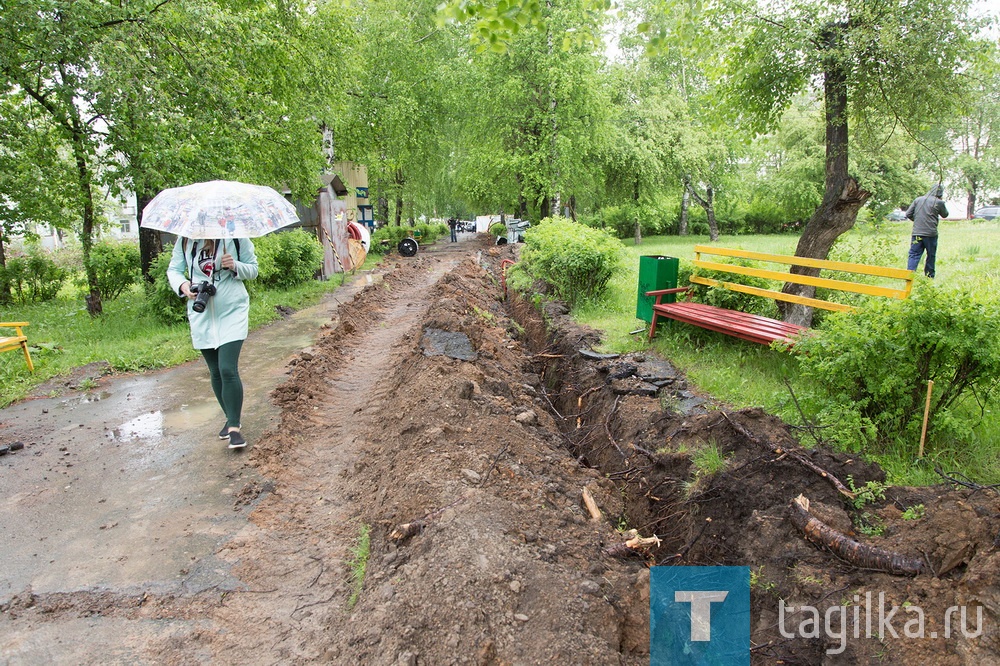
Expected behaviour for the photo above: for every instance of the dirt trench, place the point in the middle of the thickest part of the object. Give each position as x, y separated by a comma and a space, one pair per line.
461, 427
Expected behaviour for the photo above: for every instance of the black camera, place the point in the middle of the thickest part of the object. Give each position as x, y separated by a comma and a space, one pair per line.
205, 290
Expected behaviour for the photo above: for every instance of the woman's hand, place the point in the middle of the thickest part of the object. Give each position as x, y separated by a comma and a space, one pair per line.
228, 262
186, 290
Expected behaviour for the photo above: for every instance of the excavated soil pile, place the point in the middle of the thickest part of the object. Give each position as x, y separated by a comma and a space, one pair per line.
425, 501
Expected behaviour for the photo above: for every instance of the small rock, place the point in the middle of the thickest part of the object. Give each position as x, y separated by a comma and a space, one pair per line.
586, 353
527, 418
306, 356
521, 617
590, 587
406, 659
515, 586
471, 475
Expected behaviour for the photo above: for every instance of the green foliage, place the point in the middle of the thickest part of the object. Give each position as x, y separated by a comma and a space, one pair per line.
576, 261
358, 564
33, 278
162, 302
873, 365
116, 265
726, 298
915, 512
871, 492
287, 258
498, 229
708, 460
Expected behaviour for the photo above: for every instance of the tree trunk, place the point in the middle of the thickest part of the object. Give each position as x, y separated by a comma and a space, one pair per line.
685, 203
843, 197
708, 203
400, 181
572, 207
383, 209
4, 282
95, 306
972, 194
638, 225
150, 244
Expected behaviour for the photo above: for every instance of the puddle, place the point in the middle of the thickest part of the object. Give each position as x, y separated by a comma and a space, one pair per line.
144, 426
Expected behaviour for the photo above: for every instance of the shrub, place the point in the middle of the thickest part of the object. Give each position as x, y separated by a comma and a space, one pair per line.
287, 258
498, 229
727, 298
872, 365
161, 300
117, 266
575, 260
33, 278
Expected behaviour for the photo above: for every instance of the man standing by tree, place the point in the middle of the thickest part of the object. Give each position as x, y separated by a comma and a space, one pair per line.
453, 225
925, 212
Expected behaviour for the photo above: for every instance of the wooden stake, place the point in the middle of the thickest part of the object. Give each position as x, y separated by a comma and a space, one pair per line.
927, 411
588, 500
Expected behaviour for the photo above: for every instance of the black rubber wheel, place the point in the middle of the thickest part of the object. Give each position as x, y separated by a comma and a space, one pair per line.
407, 247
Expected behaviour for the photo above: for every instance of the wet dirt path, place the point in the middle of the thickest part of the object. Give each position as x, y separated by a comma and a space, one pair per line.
113, 516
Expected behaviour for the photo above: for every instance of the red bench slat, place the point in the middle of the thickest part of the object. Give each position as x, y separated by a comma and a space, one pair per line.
750, 327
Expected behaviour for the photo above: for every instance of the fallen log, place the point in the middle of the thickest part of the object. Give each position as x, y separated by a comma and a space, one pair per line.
849, 550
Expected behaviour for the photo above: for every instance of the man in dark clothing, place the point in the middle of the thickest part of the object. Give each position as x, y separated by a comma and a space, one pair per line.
925, 212
453, 225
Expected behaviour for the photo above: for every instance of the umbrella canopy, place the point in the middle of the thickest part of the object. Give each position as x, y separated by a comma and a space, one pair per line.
219, 209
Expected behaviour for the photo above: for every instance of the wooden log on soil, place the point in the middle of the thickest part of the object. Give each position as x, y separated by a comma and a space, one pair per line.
854, 552
588, 500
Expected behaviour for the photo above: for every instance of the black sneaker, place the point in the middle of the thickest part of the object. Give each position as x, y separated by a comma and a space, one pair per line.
236, 440
224, 433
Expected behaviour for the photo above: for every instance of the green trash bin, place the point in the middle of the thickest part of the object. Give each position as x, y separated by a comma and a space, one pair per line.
655, 272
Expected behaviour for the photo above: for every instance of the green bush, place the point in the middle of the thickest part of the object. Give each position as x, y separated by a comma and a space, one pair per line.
872, 366
287, 258
498, 229
117, 266
576, 261
161, 300
727, 298
33, 278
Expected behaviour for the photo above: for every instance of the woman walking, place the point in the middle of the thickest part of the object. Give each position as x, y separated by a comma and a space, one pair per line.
210, 274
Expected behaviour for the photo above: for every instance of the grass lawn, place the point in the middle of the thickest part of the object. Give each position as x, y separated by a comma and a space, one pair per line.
744, 374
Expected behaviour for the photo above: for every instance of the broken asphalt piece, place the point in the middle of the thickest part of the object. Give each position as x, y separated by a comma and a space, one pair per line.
436, 342
633, 386
594, 356
622, 370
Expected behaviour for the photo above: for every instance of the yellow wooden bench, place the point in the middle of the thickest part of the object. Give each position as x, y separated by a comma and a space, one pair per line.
18, 341
763, 330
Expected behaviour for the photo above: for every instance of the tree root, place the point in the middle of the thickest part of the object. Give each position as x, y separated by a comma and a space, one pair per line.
856, 553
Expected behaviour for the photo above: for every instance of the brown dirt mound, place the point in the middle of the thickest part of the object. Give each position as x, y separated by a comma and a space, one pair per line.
458, 429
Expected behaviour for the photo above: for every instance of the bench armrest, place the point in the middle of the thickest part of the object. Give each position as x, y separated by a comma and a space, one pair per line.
661, 292
12, 324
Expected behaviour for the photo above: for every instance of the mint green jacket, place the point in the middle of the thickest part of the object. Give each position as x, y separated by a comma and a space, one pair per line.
227, 316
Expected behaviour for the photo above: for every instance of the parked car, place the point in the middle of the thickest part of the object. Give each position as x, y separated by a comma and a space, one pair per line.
986, 213
897, 215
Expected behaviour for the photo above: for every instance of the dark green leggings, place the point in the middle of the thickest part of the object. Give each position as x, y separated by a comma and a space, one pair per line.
224, 367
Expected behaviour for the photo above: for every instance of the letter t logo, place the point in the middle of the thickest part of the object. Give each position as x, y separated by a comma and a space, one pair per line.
701, 611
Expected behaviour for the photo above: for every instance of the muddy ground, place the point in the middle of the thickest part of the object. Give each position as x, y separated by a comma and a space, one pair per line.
458, 429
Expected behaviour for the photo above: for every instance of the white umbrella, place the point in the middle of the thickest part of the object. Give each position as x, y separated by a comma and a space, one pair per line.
219, 209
